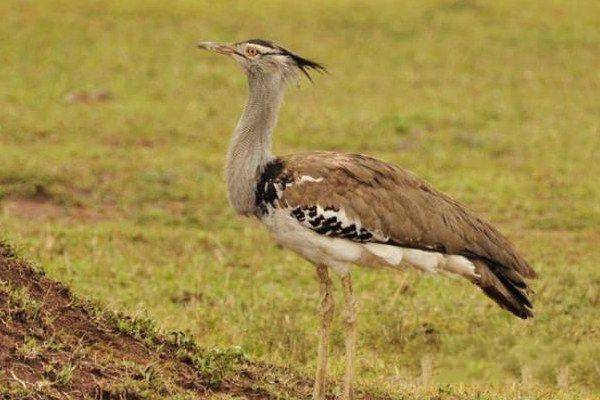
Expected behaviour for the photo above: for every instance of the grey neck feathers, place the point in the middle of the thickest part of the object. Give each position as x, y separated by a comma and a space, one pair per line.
250, 148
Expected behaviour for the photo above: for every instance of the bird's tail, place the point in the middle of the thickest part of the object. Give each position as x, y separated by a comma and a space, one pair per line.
506, 287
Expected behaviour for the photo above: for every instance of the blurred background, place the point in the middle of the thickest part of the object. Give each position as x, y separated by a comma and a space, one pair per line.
113, 130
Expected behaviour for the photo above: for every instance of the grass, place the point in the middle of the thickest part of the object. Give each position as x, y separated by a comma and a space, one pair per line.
493, 102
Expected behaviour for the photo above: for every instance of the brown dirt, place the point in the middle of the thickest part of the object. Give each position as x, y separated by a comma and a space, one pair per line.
27, 208
56, 346
46, 209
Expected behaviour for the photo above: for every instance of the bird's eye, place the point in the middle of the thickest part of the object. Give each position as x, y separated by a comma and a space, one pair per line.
251, 51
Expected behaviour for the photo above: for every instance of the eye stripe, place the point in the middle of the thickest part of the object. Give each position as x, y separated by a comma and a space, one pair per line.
238, 53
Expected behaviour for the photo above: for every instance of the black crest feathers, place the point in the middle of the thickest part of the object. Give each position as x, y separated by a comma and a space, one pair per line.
303, 64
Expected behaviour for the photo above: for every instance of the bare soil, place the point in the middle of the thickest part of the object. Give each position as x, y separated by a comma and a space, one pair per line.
56, 346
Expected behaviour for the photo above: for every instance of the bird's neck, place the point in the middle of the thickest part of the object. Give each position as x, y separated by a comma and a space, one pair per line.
250, 148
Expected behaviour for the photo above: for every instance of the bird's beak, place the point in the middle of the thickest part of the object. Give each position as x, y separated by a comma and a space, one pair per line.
221, 48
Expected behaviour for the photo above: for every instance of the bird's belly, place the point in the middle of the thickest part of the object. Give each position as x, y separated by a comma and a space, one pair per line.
320, 249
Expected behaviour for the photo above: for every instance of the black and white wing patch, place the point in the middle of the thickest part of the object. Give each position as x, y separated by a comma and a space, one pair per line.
332, 221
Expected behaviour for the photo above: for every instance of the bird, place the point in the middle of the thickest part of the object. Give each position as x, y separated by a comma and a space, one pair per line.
339, 210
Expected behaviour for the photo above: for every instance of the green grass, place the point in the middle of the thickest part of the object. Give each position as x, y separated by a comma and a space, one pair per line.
495, 103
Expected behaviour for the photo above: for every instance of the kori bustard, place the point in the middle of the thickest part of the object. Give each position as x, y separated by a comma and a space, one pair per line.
338, 210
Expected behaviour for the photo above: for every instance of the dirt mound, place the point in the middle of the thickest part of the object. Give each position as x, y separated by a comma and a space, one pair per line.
56, 346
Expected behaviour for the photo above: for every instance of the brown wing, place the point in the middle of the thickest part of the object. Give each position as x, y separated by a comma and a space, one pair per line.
409, 213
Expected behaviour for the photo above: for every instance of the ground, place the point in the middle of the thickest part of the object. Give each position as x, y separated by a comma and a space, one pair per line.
55, 345
113, 129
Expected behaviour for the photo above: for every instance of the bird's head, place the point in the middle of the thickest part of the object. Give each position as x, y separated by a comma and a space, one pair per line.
263, 59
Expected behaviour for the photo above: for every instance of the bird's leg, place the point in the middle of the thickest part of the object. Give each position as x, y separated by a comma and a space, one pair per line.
350, 321
326, 314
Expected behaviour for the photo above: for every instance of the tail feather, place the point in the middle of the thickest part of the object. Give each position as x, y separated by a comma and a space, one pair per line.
506, 287
516, 289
